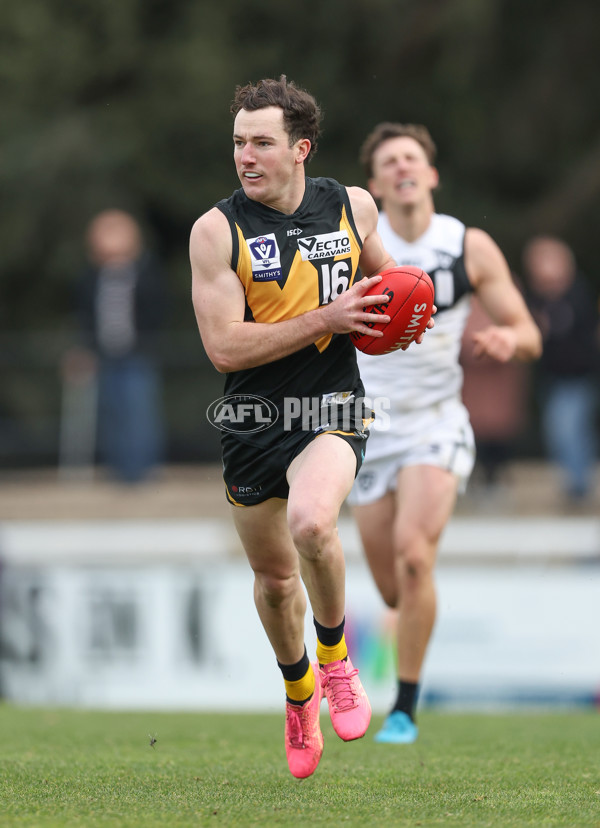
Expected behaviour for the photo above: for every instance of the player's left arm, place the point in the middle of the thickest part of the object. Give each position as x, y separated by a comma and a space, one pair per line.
514, 334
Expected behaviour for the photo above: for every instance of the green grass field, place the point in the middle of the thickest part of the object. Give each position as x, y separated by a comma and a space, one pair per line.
66, 768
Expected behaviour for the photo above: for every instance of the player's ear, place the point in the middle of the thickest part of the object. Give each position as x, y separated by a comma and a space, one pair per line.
302, 148
373, 188
434, 178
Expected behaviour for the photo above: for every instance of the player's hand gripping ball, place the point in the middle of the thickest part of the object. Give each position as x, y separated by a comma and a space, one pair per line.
410, 307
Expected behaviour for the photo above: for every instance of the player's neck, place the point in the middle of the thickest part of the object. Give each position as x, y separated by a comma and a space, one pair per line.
289, 200
409, 221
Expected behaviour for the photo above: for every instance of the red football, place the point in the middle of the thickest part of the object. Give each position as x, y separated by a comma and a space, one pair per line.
410, 305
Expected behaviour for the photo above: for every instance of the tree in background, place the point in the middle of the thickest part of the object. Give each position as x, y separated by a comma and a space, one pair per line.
120, 104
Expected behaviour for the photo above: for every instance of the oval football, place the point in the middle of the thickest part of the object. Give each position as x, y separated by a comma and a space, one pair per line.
409, 307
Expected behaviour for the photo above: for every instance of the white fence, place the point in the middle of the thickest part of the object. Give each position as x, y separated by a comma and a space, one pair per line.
160, 616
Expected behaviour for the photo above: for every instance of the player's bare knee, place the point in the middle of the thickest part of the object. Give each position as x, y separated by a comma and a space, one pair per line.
389, 595
310, 534
275, 590
415, 567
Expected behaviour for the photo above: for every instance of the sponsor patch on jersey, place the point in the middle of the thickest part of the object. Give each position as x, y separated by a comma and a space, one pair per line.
324, 246
444, 288
266, 258
337, 397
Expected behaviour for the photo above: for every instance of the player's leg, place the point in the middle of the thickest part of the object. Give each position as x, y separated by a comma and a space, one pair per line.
281, 605
425, 498
400, 533
320, 478
375, 522
278, 593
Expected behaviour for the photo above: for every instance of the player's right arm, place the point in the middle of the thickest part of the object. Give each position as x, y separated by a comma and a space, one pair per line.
219, 304
513, 334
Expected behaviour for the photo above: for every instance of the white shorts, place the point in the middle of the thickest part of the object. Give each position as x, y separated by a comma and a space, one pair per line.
438, 436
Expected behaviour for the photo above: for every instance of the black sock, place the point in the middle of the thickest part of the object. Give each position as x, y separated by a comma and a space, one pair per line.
294, 672
329, 636
406, 700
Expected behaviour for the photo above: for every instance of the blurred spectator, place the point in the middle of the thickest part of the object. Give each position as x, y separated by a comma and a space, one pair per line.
566, 310
496, 397
121, 299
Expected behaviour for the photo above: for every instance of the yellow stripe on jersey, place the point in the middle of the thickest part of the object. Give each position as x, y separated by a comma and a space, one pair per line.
356, 245
301, 291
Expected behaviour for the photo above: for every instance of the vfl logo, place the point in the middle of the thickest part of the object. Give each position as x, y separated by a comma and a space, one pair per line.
266, 258
242, 414
263, 248
324, 246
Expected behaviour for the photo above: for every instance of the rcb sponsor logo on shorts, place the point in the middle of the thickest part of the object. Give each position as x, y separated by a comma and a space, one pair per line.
246, 491
244, 414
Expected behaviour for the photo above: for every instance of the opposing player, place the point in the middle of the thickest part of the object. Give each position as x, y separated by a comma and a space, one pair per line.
406, 490
276, 291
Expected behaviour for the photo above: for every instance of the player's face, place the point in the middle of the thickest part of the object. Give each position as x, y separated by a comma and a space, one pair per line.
267, 166
402, 174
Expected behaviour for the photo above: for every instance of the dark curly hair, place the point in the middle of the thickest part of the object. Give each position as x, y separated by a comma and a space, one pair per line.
301, 113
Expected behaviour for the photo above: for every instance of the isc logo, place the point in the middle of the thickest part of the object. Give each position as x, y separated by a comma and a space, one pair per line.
242, 414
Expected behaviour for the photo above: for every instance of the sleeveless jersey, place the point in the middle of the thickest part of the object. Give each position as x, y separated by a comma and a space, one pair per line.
290, 264
428, 373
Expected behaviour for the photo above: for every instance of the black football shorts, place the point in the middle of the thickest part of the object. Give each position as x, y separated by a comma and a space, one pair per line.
255, 465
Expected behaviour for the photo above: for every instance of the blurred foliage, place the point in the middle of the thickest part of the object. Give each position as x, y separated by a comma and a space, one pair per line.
126, 103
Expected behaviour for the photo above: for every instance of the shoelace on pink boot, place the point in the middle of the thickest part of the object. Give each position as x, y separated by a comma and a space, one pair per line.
294, 717
303, 737
349, 706
341, 690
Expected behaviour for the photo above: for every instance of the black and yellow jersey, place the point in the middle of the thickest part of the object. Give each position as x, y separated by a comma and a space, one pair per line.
288, 265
